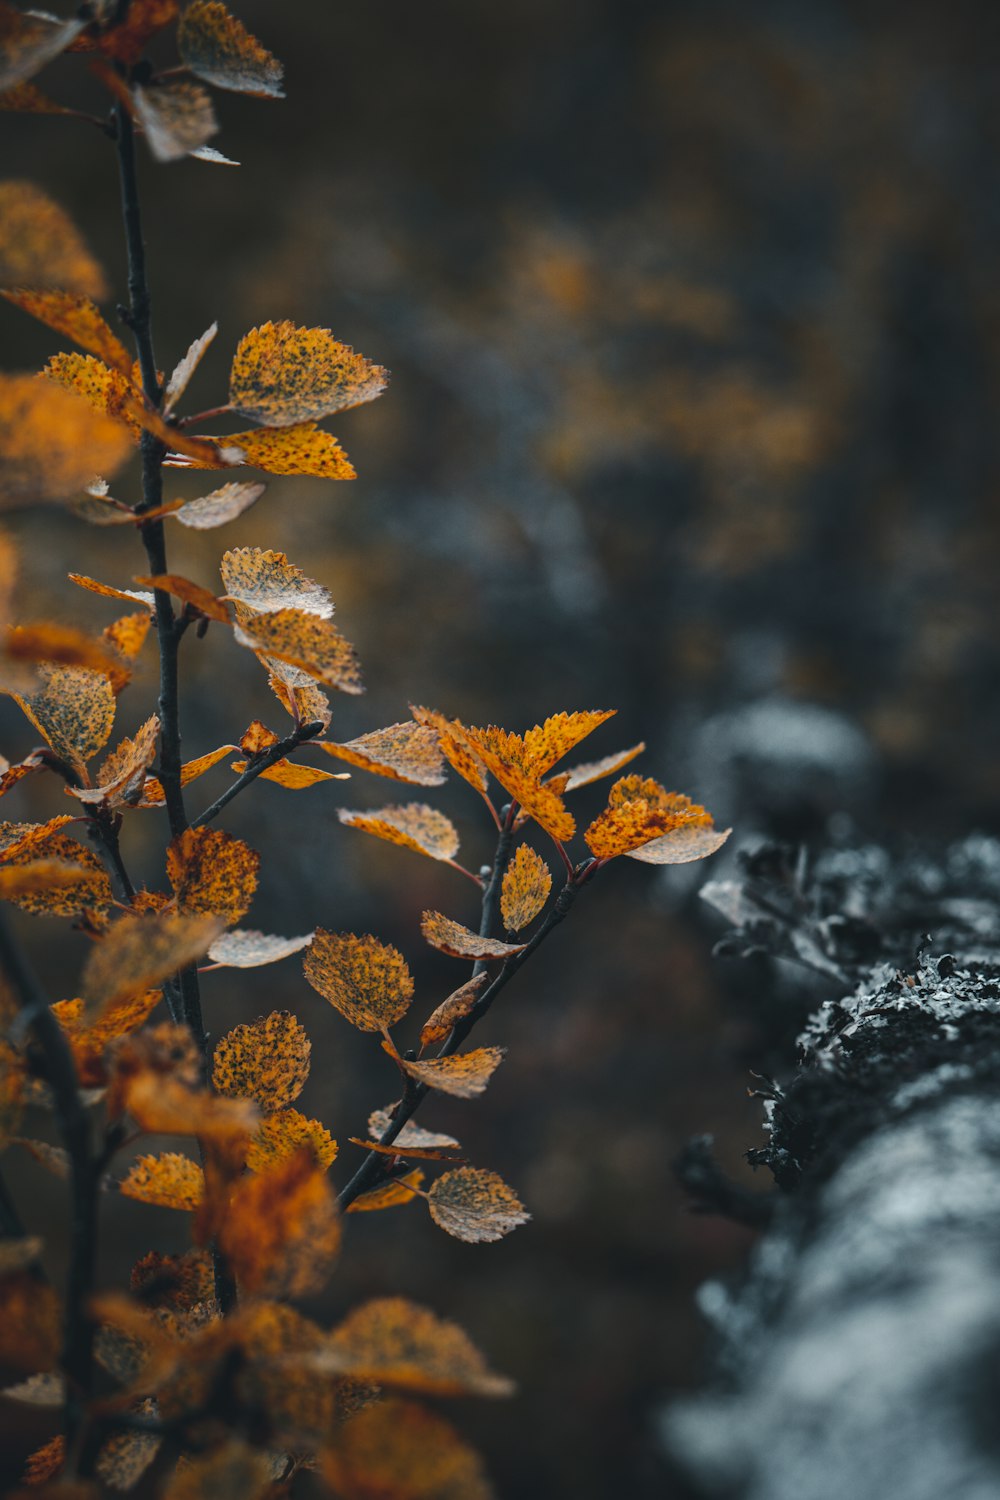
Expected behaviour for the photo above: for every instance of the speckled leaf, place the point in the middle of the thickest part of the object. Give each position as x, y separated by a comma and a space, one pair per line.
282, 1134
403, 752
261, 582
302, 449
26, 843
125, 1456
266, 1060
455, 746
121, 777
200, 599
73, 709
451, 1011
410, 1135
525, 889
306, 642
219, 49
89, 1043
391, 1194
170, 1180
138, 952
28, 42
290, 775
463, 1075
248, 949
475, 1205
505, 757
641, 811
213, 872
461, 942
394, 1342
75, 316
413, 825
594, 770
283, 375
367, 981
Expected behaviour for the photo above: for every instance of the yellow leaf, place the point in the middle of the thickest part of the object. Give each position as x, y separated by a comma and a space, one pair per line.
28, 42
89, 1043
75, 316
305, 703
40, 245
200, 599
138, 952
305, 642
506, 756
283, 374
265, 581
185, 368
212, 872
455, 746
447, 1015
39, 876
108, 590
294, 778
549, 742
403, 752
413, 825
152, 792
169, 1181
463, 1075
61, 645
280, 1231
475, 1205
398, 1343
26, 843
266, 1060
216, 47
234, 1471
284, 1133
177, 118
73, 709
525, 889
257, 738
302, 449
127, 635
105, 390
389, 1194
121, 778
646, 821
51, 442
399, 1450
460, 942
247, 949
367, 981
584, 774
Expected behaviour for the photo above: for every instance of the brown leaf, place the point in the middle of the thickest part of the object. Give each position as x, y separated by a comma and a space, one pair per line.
460, 942
475, 1205
176, 117
61, 645
247, 949
667, 827
463, 1075
171, 1180
304, 703
45, 1464
125, 1456
389, 1194
281, 1231
414, 1153
75, 316
367, 981
266, 1060
525, 889
403, 752
138, 952
28, 42
30, 1323
410, 1135
293, 777
40, 245
52, 443
413, 825
200, 599
216, 47
401, 1450
26, 99
13, 1073
398, 1343
448, 1014
455, 746
213, 872
305, 642
126, 41
584, 774
283, 375
303, 449
183, 371
39, 876
285, 1132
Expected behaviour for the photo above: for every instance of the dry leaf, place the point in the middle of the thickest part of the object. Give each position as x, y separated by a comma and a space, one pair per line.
303, 449
305, 703
389, 1194
414, 825
30, 1323
400, 1450
455, 746
38, 876
45, 1463
176, 117
367, 981
40, 245
112, 394
475, 1205
247, 949
108, 590
28, 41
266, 1060
293, 777
222, 505
415, 1153
464, 1075
235, 1471
506, 757
667, 827
448, 1014
265, 581
125, 1456
283, 375
121, 778
594, 770
89, 1043
185, 368
398, 1343
212, 872
281, 1230
13, 1073
305, 642
169, 1181
73, 709
52, 443
525, 889
461, 942
403, 752
410, 1135
152, 792
61, 645
75, 316
284, 1133
200, 599
138, 952
216, 47
27, 843
26, 99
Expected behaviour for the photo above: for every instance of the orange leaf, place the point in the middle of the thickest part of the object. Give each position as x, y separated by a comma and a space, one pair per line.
403, 752
25, 843
212, 872
305, 703
305, 642
122, 776
455, 746
415, 1153
89, 1043
463, 1075
525, 889
283, 375
507, 757
234, 1471
401, 1450
283, 1133
108, 590
262, 582
475, 1205
127, 635
29, 1323
176, 117
126, 41
106, 391
257, 738
367, 981
294, 778
45, 1463
398, 1343
413, 825
73, 709
75, 316
62, 645
26, 99
266, 1060
246, 949
281, 1231
646, 821
584, 774
200, 599
24, 838
11, 775
40, 876
152, 792
303, 449
460, 942
410, 1135
138, 952
388, 1194
169, 1181
217, 48
40, 245
549, 742
51, 442
185, 368
13, 1073
28, 42
451, 1011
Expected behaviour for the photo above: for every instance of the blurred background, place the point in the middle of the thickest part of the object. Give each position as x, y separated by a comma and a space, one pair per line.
693, 321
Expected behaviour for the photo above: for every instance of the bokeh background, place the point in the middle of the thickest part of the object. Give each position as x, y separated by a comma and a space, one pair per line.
693, 321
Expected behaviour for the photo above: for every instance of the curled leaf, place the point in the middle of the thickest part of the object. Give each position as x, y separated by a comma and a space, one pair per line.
152, 792
475, 1205
185, 368
121, 778
507, 758
451, 1011
200, 599
367, 981
176, 117
460, 942
280, 1231
391, 1194
28, 41
455, 746
413, 825
411, 1134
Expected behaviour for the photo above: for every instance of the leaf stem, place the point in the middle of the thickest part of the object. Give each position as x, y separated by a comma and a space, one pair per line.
257, 766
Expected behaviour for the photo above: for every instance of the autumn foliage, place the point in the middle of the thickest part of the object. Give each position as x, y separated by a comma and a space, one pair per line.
203, 1365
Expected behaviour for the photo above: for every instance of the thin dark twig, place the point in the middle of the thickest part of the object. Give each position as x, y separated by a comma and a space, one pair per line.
258, 766
494, 887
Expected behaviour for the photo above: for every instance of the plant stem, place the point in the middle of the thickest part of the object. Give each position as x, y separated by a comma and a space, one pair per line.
494, 888
257, 766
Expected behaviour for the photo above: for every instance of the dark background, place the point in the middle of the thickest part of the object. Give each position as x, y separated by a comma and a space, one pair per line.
693, 323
